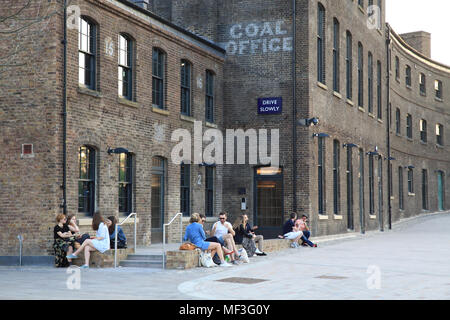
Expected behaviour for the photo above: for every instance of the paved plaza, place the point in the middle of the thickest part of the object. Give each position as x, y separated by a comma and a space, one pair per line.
411, 261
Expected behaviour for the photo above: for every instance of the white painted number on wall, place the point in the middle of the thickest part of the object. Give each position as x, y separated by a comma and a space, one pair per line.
73, 16
109, 47
374, 280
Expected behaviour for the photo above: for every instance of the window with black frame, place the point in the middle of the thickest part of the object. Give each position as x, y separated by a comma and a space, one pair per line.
125, 183
209, 191
185, 189
209, 96
424, 189
360, 75
379, 93
186, 87
336, 55
397, 121
423, 130
410, 181
86, 180
321, 43
336, 177
125, 72
370, 82
408, 76
439, 134
321, 175
371, 185
87, 53
400, 189
438, 89
158, 78
409, 126
423, 84
349, 66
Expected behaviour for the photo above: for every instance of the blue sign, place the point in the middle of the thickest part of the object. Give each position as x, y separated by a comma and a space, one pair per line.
270, 105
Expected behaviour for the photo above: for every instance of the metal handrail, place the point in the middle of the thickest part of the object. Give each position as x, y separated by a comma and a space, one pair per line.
164, 234
115, 230
20, 248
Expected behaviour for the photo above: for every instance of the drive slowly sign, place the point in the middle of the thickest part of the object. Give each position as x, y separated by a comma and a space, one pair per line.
270, 105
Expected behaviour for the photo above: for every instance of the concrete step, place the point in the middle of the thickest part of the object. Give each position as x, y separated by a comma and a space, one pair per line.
146, 257
141, 264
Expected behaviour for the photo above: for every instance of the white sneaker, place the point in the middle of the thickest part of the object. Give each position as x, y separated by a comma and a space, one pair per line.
225, 264
257, 251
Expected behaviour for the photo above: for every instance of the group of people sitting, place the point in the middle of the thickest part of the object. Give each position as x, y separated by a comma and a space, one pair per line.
68, 238
224, 236
297, 229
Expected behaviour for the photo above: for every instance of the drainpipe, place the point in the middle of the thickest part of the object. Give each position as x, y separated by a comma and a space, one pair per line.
64, 111
294, 108
388, 126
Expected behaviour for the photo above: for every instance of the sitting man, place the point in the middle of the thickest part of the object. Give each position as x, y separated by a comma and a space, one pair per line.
302, 226
291, 231
223, 231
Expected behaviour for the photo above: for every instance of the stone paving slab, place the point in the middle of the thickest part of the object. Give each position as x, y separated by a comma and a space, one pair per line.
413, 262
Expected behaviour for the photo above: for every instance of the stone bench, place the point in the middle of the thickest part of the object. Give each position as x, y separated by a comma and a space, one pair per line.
103, 260
188, 259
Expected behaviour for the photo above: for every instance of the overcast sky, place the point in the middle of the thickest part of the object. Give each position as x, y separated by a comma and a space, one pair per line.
418, 15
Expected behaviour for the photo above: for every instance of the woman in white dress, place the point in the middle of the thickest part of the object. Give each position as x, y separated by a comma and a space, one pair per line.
98, 243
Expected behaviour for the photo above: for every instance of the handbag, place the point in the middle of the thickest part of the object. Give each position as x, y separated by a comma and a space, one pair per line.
206, 260
243, 255
187, 246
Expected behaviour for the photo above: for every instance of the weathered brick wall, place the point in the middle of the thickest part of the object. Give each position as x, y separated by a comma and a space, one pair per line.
30, 107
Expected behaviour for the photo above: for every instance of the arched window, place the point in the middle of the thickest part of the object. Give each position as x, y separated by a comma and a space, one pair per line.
87, 53
125, 183
125, 67
370, 82
86, 180
321, 43
349, 66
186, 71
209, 96
360, 75
336, 55
158, 78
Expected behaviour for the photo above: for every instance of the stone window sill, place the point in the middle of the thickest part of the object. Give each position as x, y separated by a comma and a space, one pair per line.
338, 217
323, 217
337, 94
89, 92
371, 115
439, 146
127, 102
438, 99
372, 216
411, 194
322, 86
361, 109
211, 125
350, 102
160, 111
187, 118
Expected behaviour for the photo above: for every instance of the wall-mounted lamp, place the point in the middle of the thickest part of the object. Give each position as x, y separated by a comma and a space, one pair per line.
205, 164
409, 167
321, 135
117, 150
350, 145
390, 159
373, 153
308, 122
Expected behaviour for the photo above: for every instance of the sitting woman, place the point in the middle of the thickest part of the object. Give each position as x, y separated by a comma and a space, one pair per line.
243, 235
121, 239
98, 243
64, 242
73, 227
196, 235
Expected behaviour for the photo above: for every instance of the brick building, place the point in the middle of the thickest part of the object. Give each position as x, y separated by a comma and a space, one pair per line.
378, 154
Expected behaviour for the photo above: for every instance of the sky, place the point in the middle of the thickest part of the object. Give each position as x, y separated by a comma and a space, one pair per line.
418, 15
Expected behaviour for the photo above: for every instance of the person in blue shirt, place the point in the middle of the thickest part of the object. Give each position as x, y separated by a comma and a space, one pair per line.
121, 238
196, 235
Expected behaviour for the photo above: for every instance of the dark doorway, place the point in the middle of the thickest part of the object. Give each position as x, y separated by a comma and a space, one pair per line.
157, 198
350, 224
268, 212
